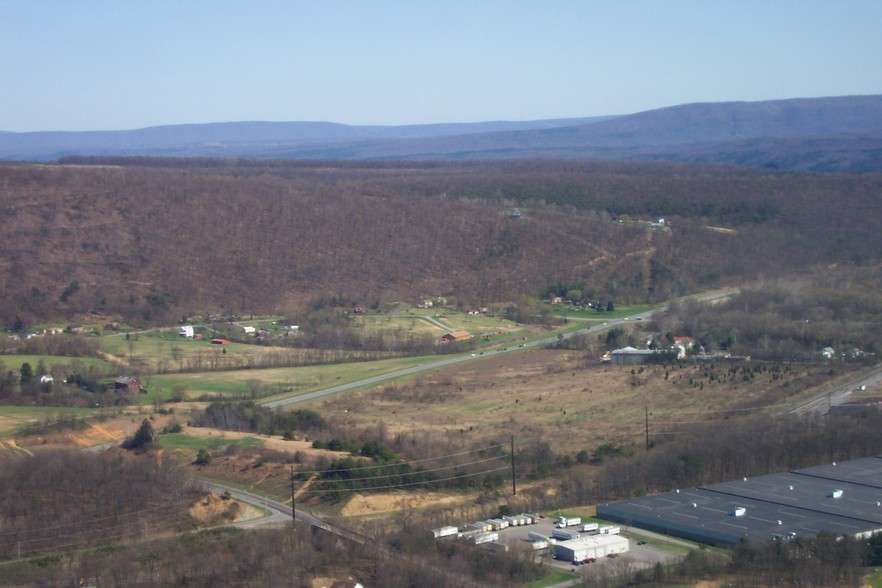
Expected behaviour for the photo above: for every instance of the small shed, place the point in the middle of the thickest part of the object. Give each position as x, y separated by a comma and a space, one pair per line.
219, 341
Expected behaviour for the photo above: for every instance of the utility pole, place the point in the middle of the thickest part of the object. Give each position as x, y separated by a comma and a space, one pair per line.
646, 409
514, 485
293, 506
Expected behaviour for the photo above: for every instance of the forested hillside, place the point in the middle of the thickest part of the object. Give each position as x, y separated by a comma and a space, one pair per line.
155, 239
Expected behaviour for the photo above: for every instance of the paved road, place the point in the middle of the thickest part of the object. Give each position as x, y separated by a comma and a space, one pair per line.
821, 402
435, 364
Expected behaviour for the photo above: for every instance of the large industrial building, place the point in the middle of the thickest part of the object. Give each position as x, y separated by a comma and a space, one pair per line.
843, 498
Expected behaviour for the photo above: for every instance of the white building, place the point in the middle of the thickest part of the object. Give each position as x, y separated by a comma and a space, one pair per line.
590, 546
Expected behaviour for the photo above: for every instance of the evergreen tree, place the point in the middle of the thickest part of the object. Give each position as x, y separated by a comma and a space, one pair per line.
143, 439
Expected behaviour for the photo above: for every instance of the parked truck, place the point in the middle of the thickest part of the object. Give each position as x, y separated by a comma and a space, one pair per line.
564, 522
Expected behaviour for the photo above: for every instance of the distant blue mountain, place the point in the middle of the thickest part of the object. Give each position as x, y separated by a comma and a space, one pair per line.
818, 134
238, 139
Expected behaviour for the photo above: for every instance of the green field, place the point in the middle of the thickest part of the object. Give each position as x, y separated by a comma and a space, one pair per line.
287, 381
71, 364
174, 441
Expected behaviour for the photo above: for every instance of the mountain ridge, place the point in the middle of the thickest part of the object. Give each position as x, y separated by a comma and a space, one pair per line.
807, 134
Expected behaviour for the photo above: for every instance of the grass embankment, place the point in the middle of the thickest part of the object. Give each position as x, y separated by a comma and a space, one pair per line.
15, 418
175, 441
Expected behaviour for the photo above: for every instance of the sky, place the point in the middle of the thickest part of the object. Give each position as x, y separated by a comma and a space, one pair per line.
125, 64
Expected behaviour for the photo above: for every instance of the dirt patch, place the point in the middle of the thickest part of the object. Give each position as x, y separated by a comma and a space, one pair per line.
214, 509
98, 433
376, 504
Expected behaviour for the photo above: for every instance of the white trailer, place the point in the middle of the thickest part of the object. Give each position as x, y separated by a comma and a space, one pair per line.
486, 538
537, 545
590, 527
444, 532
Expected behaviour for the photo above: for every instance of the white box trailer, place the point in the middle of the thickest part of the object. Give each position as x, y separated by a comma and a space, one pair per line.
444, 532
537, 545
590, 527
486, 537
610, 530
531, 519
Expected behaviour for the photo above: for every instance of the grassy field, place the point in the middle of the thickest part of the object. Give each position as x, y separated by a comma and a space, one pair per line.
13, 418
296, 380
174, 441
874, 577
71, 364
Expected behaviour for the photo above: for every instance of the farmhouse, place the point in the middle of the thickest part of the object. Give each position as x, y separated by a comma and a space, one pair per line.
456, 336
186, 331
127, 384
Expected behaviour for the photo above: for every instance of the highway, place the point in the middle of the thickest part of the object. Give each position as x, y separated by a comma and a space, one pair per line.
433, 363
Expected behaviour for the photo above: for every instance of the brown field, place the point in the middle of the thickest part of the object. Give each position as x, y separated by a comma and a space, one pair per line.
544, 394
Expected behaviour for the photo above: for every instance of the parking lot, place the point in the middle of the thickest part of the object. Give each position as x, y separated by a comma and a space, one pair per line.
642, 553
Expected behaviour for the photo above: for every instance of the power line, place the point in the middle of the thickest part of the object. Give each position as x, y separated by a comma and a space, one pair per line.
407, 484
407, 473
371, 467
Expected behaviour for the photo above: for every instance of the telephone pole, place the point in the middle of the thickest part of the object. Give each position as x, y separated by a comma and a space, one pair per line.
646, 409
293, 506
514, 485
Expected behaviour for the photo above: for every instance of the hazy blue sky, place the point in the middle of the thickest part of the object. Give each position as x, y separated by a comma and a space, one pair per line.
122, 64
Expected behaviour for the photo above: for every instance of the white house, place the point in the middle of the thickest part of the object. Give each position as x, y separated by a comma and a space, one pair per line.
186, 331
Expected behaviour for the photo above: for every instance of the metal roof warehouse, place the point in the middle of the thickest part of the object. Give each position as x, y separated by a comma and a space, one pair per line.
844, 498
